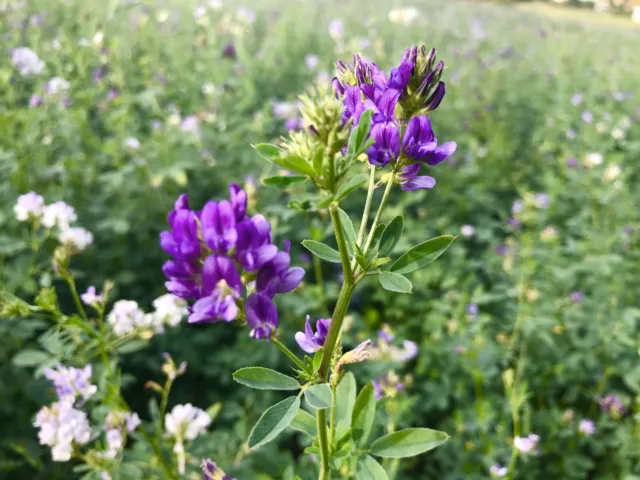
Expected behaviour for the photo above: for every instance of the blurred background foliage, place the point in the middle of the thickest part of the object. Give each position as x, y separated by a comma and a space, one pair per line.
530, 99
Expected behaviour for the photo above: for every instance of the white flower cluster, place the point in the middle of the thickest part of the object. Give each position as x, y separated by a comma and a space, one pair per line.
186, 422
127, 317
31, 207
61, 426
27, 62
71, 383
115, 423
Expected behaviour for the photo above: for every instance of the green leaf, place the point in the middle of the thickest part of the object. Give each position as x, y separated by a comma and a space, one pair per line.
358, 139
30, 358
391, 236
632, 379
368, 469
345, 399
133, 345
407, 443
377, 235
268, 151
364, 413
394, 282
290, 162
283, 181
347, 226
317, 359
347, 187
265, 379
305, 422
273, 421
321, 250
319, 396
422, 254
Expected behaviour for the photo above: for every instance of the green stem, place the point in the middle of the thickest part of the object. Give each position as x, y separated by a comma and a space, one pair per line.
76, 298
292, 356
321, 424
334, 329
165, 399
332, 414
342, 244
383, 204
367, 208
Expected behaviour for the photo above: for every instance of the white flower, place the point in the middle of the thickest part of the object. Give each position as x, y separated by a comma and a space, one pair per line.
611, 173
132, 143
29, 205
199, 14
97, 38
186, 422
27, 61
404, 16
617, 133
208, 88
56, 86
190, 125
125, 317
498, 471
90, 297
105, 476
132, 421
76, 237
60, 426
71, 382
114, 439
593, 159
587, 427
336, 29
170, 310
59, 215
467, 231
527, 444
311, 61
246, 14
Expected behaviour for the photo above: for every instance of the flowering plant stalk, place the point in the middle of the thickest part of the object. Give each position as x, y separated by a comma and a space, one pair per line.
371, 129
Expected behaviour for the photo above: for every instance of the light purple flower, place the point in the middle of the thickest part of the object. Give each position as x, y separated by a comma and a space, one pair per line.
262, 315
312, 62
576, 297
210, 471
498, 471
309, 341
90, 297
528, 444
587, 427
336, 29
71, 383
587, 117
576, 99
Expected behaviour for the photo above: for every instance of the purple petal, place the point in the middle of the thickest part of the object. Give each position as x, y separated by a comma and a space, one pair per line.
441, 153
418, 183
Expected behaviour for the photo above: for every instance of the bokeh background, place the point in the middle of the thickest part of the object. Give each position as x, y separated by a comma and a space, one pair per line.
164, 97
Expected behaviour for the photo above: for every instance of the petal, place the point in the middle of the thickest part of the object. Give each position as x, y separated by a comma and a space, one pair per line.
238, 201
210, 274
260, 309
229, 273
418, 183
305, 344
387, 103
308, 331
291, 280
441, 153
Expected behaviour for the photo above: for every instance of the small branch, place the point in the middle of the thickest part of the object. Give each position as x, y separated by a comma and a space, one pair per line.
292, 356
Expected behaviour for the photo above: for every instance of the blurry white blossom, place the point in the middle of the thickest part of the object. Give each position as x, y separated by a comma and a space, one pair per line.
404, 15
186, 422
336, 29
618, 133
56, 86
77, 238
71, 383
246, 14
587, 427
58, 214
126, 317
61, 426
593, 159
498, 471
90, 297
29, 206
27, 61
170, 310
611, 173
190, 125
311, 61
132, 143
467, 231
527, 444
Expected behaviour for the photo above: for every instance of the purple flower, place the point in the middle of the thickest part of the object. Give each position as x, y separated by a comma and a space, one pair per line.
572, 162
229, 51
386, 148
472, 310
387, 385
35, 101
409, 179
513, 222
262, 315
528, 444
612, 405
587, 427
210, 471
420, 144
212, 249
576, 297
587, 117
576, 99
71, 382
309, 341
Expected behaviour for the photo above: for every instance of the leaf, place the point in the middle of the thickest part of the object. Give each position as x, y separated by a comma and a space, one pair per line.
265, 379
391, 236
377, 235
29, 358
394, 282
319, 396
321, 250
273, 421
345, 399
305, 422
283, 181
347, 226
317, 359
632, 379
346, 188
132, 346
359, 135
290, 162
422, 254
364, 413
368, 469
407, 443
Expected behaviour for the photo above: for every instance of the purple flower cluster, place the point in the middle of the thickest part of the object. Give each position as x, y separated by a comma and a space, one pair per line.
309, 341
400, 103
210, 471
219, 253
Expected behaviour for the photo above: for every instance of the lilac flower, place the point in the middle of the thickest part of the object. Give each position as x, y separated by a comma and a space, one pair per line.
472, 310
541, 200
91, 298
186, 422
587, 117
262, 315
572, 162
527, 444
35, 101
498, 471
420, 144
312, 62
336, 29
513, 222
387, 385
132, 421
503, 250
61, 426
309, 341
210, 471
576, 297
221, 280
576, 99
385, 334
612, 405
27, 62
29, 206
71, 383
409, 179
467, 231
587, 427
56, 86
